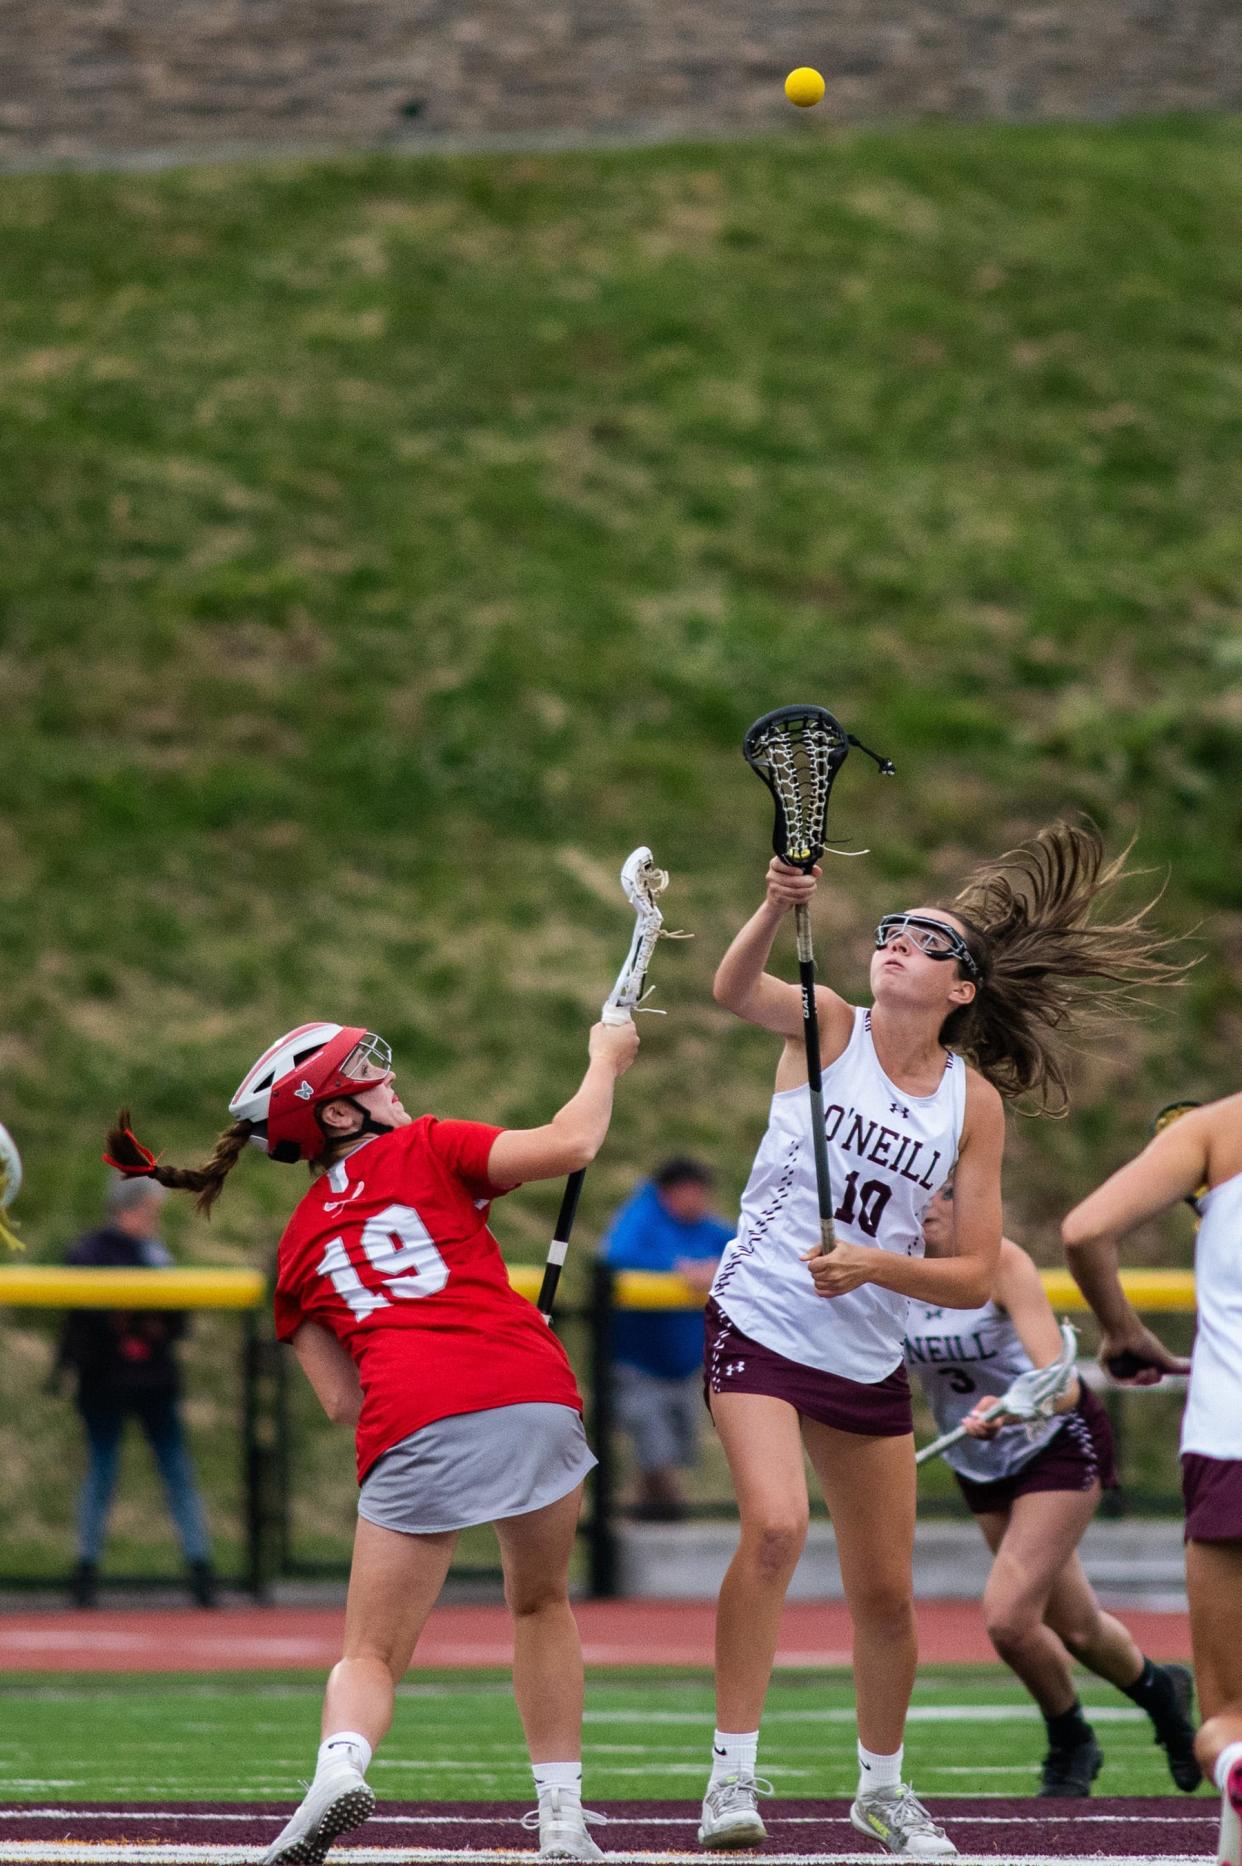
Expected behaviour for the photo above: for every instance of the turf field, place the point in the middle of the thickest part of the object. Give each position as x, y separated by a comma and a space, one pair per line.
202, 1771
225, 1738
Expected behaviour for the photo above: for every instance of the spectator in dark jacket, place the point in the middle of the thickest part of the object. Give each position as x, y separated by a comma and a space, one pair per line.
125, 1364
666, 1224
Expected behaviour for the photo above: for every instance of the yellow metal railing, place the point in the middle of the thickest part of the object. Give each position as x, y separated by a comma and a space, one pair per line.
51, 1286
57, 1286
1157, 1292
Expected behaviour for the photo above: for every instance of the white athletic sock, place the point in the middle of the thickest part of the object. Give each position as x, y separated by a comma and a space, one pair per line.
344, 1746
878, 1772
734, 1753
567, 1776
1224, 1762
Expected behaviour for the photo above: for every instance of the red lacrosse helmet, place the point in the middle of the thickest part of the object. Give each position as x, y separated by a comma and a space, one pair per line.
310, 1065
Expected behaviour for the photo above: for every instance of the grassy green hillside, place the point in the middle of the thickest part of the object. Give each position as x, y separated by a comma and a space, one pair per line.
390, 545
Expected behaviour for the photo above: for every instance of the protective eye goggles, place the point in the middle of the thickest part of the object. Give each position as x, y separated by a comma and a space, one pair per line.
369, 1061
932, 937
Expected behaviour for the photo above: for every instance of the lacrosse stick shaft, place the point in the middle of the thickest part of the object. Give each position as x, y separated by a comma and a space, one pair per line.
814, 1075
563, 1229
560, 1242
950, 1438
940, 1444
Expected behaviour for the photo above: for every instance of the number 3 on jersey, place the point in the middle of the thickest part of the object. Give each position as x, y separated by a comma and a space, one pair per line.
400, 1247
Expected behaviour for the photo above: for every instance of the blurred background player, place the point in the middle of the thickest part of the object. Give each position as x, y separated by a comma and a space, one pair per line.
125, 1365
805, 1350
1033, 1490
393, 1293
666, 1224
1198, 1159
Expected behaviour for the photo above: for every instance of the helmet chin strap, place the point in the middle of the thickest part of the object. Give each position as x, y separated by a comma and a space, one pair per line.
369, 1124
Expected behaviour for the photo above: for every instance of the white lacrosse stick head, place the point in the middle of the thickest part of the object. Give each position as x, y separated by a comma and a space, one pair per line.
1034, 1395
10, 1168
642, 882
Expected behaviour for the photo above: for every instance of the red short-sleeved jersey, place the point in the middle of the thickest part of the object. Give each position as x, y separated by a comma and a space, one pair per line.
390, 1250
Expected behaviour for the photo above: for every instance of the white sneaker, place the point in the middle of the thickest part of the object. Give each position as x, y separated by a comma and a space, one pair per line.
899, 1821
562, 1822
333, 1803
731, 1811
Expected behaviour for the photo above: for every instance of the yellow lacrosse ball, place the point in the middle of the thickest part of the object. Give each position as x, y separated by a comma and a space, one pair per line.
804, 87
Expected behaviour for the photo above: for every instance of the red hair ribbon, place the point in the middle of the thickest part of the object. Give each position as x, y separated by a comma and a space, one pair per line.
130, 1168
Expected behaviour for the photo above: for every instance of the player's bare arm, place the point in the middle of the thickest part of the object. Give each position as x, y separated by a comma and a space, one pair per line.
1169, 1168
575, 1134
331, 1372
744, 987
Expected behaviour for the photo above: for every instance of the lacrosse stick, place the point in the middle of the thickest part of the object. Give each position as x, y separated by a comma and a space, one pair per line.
642, 882
797, 751
1032, 1397
10, 1185
1125, 1365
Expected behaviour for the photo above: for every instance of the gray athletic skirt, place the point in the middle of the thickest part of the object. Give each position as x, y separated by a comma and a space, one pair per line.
477, 1467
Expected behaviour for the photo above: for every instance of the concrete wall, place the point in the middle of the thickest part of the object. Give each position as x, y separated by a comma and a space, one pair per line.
85, 78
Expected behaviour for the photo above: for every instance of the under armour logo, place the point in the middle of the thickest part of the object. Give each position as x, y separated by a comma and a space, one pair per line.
304, 1091
895, 1107
334, 1205
734, 1367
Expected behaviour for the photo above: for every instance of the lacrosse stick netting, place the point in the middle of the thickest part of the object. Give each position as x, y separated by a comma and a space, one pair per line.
10, 1186
643, 883
1030, 1401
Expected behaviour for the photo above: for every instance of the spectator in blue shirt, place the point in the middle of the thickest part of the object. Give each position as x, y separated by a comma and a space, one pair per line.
666, 1224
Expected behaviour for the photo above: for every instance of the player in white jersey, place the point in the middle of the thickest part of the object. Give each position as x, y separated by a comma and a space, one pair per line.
1033, 1491
805, 1348
1198, 1158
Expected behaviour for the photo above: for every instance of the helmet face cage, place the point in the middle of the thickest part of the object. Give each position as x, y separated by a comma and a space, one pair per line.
369, 1062
798, 751
933, 937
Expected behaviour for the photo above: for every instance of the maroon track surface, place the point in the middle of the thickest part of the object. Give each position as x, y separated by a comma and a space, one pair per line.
1148, 1828
614, 1632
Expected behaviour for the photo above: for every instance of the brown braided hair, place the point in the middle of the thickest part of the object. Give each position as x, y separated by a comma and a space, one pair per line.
1044, 961
128, 1155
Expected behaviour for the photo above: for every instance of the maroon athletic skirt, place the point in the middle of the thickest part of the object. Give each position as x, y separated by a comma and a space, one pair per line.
1212, 1488
1080, 1455
735, 1364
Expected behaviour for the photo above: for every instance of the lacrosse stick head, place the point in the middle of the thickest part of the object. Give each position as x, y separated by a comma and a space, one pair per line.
642, 883
10, 1186
1034, 1395
10, 1169
797, 751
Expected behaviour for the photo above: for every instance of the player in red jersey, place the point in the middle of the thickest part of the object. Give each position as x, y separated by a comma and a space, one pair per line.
393, 1293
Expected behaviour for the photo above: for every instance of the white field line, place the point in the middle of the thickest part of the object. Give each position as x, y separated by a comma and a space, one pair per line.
1204, 1813
53, 1853
918, 1713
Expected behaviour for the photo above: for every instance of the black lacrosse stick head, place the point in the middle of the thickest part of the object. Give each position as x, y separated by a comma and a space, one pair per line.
797, 751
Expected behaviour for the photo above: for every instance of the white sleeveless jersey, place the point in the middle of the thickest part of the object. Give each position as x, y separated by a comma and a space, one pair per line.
888, 1154
1212, 1424
960, 1356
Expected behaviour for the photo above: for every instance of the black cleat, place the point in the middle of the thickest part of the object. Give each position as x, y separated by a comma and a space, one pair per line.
1175, 1732
1070, 1769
